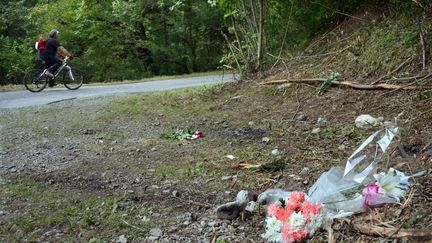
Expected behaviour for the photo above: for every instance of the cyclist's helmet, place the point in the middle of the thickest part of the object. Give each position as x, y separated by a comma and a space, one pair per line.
53, 33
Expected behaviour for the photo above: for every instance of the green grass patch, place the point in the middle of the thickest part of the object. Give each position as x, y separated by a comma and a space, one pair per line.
42, 207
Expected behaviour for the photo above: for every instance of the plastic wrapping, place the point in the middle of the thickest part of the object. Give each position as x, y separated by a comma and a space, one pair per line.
340, 189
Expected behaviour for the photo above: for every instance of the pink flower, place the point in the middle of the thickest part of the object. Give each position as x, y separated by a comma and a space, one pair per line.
291, 205
283, 214
299, 234
309, 209
287, 233
280, 213
370, 192
272, 209
297, 196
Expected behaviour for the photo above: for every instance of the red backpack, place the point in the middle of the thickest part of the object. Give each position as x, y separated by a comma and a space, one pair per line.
40, 44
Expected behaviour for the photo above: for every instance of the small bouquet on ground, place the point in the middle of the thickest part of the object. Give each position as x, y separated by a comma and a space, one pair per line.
293, 219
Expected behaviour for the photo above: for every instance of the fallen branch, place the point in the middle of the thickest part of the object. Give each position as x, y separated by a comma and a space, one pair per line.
395, 70
373, 230
348, 84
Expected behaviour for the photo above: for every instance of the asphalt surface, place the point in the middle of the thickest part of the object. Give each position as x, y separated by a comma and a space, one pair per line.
16, 99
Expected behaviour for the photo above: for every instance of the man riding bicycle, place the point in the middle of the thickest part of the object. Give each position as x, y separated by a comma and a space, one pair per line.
52, 45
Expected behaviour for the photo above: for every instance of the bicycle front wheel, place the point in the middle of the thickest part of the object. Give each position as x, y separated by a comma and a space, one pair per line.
34, 81
72, 80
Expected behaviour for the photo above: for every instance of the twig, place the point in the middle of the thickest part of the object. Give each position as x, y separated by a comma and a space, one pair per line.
133, 226
390, 73
349, 84
426, 147
422, 42
204, 205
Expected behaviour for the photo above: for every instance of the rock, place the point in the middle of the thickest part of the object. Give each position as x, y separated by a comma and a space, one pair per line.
213, 224
230, 156
232, 210
302, 118
284, 86
226, 178
3, 152
153, 149
342, 147
366, 121
316, 130
156, 232
251, 123
122, 239
175, 193
272, 195
321, 121
266, 139
114, 142
304, 171
251, 206
275, 152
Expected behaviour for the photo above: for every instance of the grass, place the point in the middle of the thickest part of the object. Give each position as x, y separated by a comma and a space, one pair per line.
50, 207
187, 171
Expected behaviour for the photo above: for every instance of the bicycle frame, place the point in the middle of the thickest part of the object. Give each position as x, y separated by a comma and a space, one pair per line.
65, 59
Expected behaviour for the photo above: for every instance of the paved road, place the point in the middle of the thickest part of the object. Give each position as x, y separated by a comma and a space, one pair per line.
25, 98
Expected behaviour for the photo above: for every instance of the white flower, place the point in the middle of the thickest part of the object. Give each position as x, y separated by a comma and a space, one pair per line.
315, 224
273, 230
393, 183
297, 220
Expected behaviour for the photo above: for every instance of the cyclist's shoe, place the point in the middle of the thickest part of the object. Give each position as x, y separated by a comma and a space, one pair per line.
51, 83
49, 74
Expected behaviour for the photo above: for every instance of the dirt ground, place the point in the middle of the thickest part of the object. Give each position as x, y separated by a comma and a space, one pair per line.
99, 170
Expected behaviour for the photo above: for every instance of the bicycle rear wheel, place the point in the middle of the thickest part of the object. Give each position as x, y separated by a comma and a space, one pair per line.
76, 82
34, 81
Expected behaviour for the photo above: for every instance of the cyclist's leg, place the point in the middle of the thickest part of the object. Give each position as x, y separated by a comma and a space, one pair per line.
55, 64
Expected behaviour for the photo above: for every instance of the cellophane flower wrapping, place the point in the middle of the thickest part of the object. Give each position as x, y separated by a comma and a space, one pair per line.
292, 219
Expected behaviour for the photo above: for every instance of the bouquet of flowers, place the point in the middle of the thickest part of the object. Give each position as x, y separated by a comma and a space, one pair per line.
293, 219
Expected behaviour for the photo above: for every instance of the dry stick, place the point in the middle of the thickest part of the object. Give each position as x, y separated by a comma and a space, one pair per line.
406, 78
373, 230
390, 73
426, 147
232, 51
348, 84
422, 42
133, 226
204, 205
407, 85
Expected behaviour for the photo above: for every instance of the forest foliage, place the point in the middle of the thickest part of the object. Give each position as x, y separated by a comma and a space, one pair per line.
132, 39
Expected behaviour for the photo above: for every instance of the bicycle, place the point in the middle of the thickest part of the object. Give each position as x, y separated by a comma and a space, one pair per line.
36, 80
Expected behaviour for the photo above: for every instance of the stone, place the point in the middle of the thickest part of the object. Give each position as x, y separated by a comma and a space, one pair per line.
342, 147
230, 156
122, 239
321, 121
156, 232
226, 178
251, 123
304, 171
175, 193
266, 139
275, 152
302, 118
366, 121
316, 130
284, 86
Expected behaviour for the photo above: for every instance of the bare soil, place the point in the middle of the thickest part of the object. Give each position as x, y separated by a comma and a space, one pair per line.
94, 170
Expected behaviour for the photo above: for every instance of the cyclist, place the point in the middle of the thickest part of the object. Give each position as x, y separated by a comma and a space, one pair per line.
52, 46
